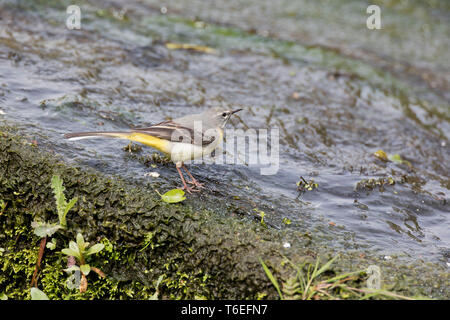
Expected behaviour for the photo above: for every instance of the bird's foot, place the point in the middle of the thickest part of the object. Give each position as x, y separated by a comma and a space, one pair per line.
189, 189
197, 184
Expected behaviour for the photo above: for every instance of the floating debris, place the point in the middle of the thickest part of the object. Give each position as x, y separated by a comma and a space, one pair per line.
295, 96
189, 46
398, 159
360, 205
380, 154
152, 159
304, 185
132, 147
370, 184
153, 174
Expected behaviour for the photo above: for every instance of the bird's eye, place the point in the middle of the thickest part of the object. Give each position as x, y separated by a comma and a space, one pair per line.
224, 114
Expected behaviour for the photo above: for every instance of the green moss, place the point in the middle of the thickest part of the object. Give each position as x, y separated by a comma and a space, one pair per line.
120, 216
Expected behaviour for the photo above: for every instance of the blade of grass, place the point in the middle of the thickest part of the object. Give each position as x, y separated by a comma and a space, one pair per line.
271, 278
311, 277
325, 267
371, 293
345, 275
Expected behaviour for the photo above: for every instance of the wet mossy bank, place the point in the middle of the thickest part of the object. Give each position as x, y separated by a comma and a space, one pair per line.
202, 253
199, 253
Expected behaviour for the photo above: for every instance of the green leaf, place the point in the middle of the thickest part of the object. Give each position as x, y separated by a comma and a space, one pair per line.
61, 205
74, 246
271, 278
85, 268
43, 229
71, 252
95, 248
58, 191
70, 205
395, 158
173, 196
72, 268
80, 242
37, 294
3, 296
325, 267
51, 245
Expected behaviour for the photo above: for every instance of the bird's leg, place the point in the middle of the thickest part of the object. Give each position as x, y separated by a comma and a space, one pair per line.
185, 186
194, 181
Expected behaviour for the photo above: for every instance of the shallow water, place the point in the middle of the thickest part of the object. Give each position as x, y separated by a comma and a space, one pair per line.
337, 92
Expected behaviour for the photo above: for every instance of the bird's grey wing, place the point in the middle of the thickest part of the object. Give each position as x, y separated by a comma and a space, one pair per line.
175, 132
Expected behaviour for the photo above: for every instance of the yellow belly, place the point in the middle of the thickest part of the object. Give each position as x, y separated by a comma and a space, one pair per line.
157, 143
177, 151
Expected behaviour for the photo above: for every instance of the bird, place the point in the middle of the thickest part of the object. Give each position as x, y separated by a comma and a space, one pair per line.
182, 139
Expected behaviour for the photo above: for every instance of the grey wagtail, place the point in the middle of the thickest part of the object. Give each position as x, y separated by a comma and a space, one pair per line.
181, 139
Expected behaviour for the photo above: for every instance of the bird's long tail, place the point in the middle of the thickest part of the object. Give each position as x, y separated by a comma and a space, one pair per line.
147, 139
104, 134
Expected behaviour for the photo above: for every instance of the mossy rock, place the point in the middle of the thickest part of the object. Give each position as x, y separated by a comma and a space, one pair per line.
200, 253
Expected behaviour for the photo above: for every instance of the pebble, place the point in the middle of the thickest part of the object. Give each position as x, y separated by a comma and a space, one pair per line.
153, 174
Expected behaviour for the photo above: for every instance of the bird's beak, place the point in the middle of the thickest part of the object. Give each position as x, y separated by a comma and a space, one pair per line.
237, 110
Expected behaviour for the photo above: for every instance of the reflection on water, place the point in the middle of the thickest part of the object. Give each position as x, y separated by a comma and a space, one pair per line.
337, 92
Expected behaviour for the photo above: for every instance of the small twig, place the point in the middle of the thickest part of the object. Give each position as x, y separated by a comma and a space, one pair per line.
327, 294
99, 272
382, 292
38, 263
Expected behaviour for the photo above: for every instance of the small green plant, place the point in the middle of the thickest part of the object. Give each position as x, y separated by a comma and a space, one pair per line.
62, 206
310, 282
80, 251
44, 229
47, 229
262, 214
